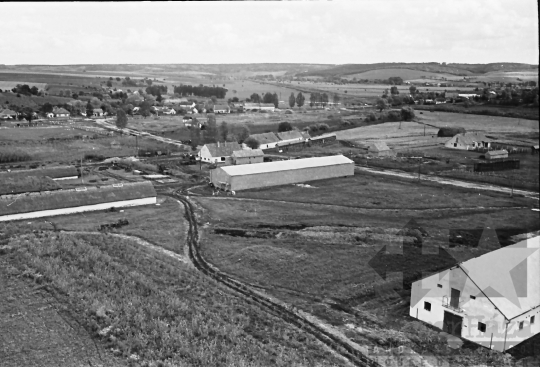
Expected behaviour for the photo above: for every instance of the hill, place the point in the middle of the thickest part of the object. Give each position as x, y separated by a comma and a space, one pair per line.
434, 67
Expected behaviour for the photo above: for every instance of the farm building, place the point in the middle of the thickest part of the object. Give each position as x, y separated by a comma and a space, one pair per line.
17, 185
379, 149
497, 154
7, 114
290, 136
60, 202
250, 176
98, 112
468, 141
56, 173
218, 152
247, 156
492, 300
222, 108
322, 139
259, 107
267, 140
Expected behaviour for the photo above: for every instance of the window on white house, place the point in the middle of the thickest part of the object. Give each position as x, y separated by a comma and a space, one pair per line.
521, 325
482, 327
532, 319
439, 285
473, 297
222, 159
427, 306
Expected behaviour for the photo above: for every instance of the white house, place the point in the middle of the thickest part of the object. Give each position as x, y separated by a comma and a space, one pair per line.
222, 108
218, 152
266, 140
98, 112
468, 141
169, 111
492, 300
60, 112
290, 136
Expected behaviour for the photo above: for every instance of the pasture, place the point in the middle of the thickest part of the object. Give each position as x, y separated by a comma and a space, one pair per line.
405, 74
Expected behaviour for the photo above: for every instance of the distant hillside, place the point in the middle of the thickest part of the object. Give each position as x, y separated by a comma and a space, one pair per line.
175, 68
433, 67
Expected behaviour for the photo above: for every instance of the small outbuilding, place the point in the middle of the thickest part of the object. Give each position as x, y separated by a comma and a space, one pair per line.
247, 156
496, 154
380, 149
250, 176
290, 136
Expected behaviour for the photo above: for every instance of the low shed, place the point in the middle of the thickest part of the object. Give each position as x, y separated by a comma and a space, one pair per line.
247, 156
56, 173
497, 154
379, 149
60, 202
257, 175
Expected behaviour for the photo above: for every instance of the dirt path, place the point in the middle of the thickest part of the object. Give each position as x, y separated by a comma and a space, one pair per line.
448, 181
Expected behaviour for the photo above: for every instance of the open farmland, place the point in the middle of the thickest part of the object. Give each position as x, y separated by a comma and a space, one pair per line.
162, 309
311, 245
405, 129
405, 74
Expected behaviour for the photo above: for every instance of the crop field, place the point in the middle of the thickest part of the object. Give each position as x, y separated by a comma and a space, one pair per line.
144, 307
387, 130
311, 245
405, 74
487, 124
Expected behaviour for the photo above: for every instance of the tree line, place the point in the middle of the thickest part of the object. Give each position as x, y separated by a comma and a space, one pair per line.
200, 91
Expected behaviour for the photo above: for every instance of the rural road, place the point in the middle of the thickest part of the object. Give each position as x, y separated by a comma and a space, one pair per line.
448, 181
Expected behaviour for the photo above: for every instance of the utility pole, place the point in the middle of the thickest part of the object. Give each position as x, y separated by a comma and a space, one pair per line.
82, 171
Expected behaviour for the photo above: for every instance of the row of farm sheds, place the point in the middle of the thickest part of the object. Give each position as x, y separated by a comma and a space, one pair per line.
37, 193
257, 175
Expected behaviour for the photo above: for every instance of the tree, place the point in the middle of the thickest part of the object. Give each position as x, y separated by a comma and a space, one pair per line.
109, 84
242, 133
223, 130
118, 79
89, 109
275, 100
144, 109
28, 113
292, 100
407, 113
284, 126
252, 143
336, 99
324, 99
268, 98
300, 99
255, 98
121, 118
382, 104
159, 98
394, 90
235, 99
231, 137
211, 129
47, 107
149, 81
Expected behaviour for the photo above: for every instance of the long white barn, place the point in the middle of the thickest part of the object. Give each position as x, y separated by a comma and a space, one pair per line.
61, 202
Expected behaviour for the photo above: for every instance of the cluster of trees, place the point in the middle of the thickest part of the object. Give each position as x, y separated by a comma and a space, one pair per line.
156, 90
298, 100
24, 89
128, 82
395, 80
201, 91
266, 98
322, 99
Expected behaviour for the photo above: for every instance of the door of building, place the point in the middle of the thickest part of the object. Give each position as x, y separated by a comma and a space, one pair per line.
454, 298
452, 323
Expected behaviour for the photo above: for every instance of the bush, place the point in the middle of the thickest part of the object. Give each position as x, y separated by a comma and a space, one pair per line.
11, 155
252, 143
371, 117
323, 127
450, 131
393, 116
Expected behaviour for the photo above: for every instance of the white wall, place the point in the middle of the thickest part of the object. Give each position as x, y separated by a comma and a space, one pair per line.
79, 209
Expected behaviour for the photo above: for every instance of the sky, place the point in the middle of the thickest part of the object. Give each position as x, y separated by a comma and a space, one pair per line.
316, 32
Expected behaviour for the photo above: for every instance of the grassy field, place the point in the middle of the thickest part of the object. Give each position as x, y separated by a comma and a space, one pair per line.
147, 308
312, 245
405, 74
387, 130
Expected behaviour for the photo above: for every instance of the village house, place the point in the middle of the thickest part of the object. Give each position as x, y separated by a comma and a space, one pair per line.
470, 140
60, 112
222, 108
380, 149
492, 300
290, 136
496, 154
218, 152
7, 114
98, 112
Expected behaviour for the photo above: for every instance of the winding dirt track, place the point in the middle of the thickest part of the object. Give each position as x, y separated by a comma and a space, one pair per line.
339, 345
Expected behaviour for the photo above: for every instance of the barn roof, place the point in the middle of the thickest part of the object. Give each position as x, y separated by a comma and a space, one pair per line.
245, 153
288, 135
220, 107
223, 149
52, 172
265, 138
7, 111
293, 164
497, 152
61, 110
324, 136
17, 185
49, 200
508, 276
377, 146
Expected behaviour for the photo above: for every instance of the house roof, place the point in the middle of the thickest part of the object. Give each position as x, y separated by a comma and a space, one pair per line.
9, 112
61, 111
288, 135
17, 185
509, 276
377, 146
49, 200
469, 138
265, 138
221, 107
245, 153
324, 136
223, 149
293, 164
